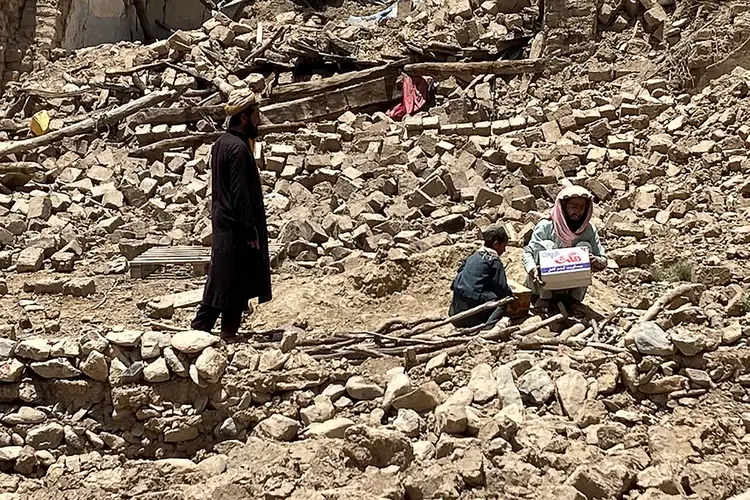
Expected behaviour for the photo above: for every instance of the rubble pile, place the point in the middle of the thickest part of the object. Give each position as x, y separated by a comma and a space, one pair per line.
646, 401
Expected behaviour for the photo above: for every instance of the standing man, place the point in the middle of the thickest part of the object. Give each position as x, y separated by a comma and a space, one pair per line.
480, 279
240, 265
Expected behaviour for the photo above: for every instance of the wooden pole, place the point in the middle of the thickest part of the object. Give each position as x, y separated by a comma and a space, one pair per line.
668, 297
89, 125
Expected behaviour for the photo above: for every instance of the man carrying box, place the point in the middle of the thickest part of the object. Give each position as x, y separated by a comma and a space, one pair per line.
553, 271
481, 278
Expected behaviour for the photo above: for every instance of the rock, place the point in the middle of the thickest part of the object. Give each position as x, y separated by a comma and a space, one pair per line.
213, 466
175, 363
368, 446
426, 397
193, 341
10, 453
7, 348
507, 393
436, 362
288, 341
30, 260
571, 389
271, 360
397, 386
156, 371
536, 386
55, 368
665, 385
321, 410
650, 339
279, 427
408, 422
45, 437
133, 373
482, 384
37, 349
690, 344
11, 370
125, 338
80, 287
358, 388
95, 366
334, 428
471, 468
450, 419
211, 365
25, 416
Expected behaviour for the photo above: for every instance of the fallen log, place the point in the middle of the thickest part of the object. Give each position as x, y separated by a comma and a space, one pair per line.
460, 316
175, 116
92, 124
306, 89
197, 139
668, 297
470, 69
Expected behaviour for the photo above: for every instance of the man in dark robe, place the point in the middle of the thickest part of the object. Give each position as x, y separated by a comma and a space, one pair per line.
240, 265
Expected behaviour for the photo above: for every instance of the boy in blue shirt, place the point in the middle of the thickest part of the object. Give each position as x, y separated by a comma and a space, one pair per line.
481, 278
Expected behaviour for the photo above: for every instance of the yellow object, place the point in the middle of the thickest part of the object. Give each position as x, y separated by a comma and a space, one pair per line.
40, 123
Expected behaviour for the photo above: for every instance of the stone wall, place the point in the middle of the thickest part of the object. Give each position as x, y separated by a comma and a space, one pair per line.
142, 394
13, 41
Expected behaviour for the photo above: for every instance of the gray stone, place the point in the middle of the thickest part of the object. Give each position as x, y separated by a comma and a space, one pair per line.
133, 373
10, 453
370, 446
156, 371
507, 393
211, 365
334, 428
45, 437
279, 427
11, 370
426, 397
571, 389
321, 410
409, 422
482, 384
178, 366
536, 386
397, 386
358, 388
55, 368
37, 349
95, 366
450, 419
25, 416
125, 338
651, 340
193, 341
30, 260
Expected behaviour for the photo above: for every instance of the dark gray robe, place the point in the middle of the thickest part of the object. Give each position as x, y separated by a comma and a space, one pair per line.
238, 217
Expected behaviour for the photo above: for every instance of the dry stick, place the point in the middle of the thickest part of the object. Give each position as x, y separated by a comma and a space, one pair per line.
466, 314
668, 297
89, 125
106, 295
264, 47
494, 334
401, 323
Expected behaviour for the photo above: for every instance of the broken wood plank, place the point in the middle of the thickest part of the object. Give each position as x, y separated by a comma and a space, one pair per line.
135, 69
20, 167
174, 116
182, 299
197, 139
306, 89
260, 50
537, 48
331, 104
471, 69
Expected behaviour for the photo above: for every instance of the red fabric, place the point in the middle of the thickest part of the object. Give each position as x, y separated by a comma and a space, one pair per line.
414, 98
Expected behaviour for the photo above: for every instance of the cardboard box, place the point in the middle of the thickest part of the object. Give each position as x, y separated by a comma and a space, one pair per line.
565, 268
519, 308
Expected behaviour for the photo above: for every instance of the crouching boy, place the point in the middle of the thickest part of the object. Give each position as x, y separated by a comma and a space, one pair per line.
481, 279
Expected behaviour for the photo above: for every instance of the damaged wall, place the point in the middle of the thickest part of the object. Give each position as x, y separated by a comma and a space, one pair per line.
570, 27
92, 22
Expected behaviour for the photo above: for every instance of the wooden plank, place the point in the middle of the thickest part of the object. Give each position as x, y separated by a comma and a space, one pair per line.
470, 69
296, 91
174, 116
92, 124
332, 104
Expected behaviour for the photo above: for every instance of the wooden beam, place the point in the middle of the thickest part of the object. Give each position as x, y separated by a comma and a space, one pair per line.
306, 89
331, 104
92, 124
470, 69
20, 167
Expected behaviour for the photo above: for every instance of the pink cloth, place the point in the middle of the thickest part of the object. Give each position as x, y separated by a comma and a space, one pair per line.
567, 236
414, 97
